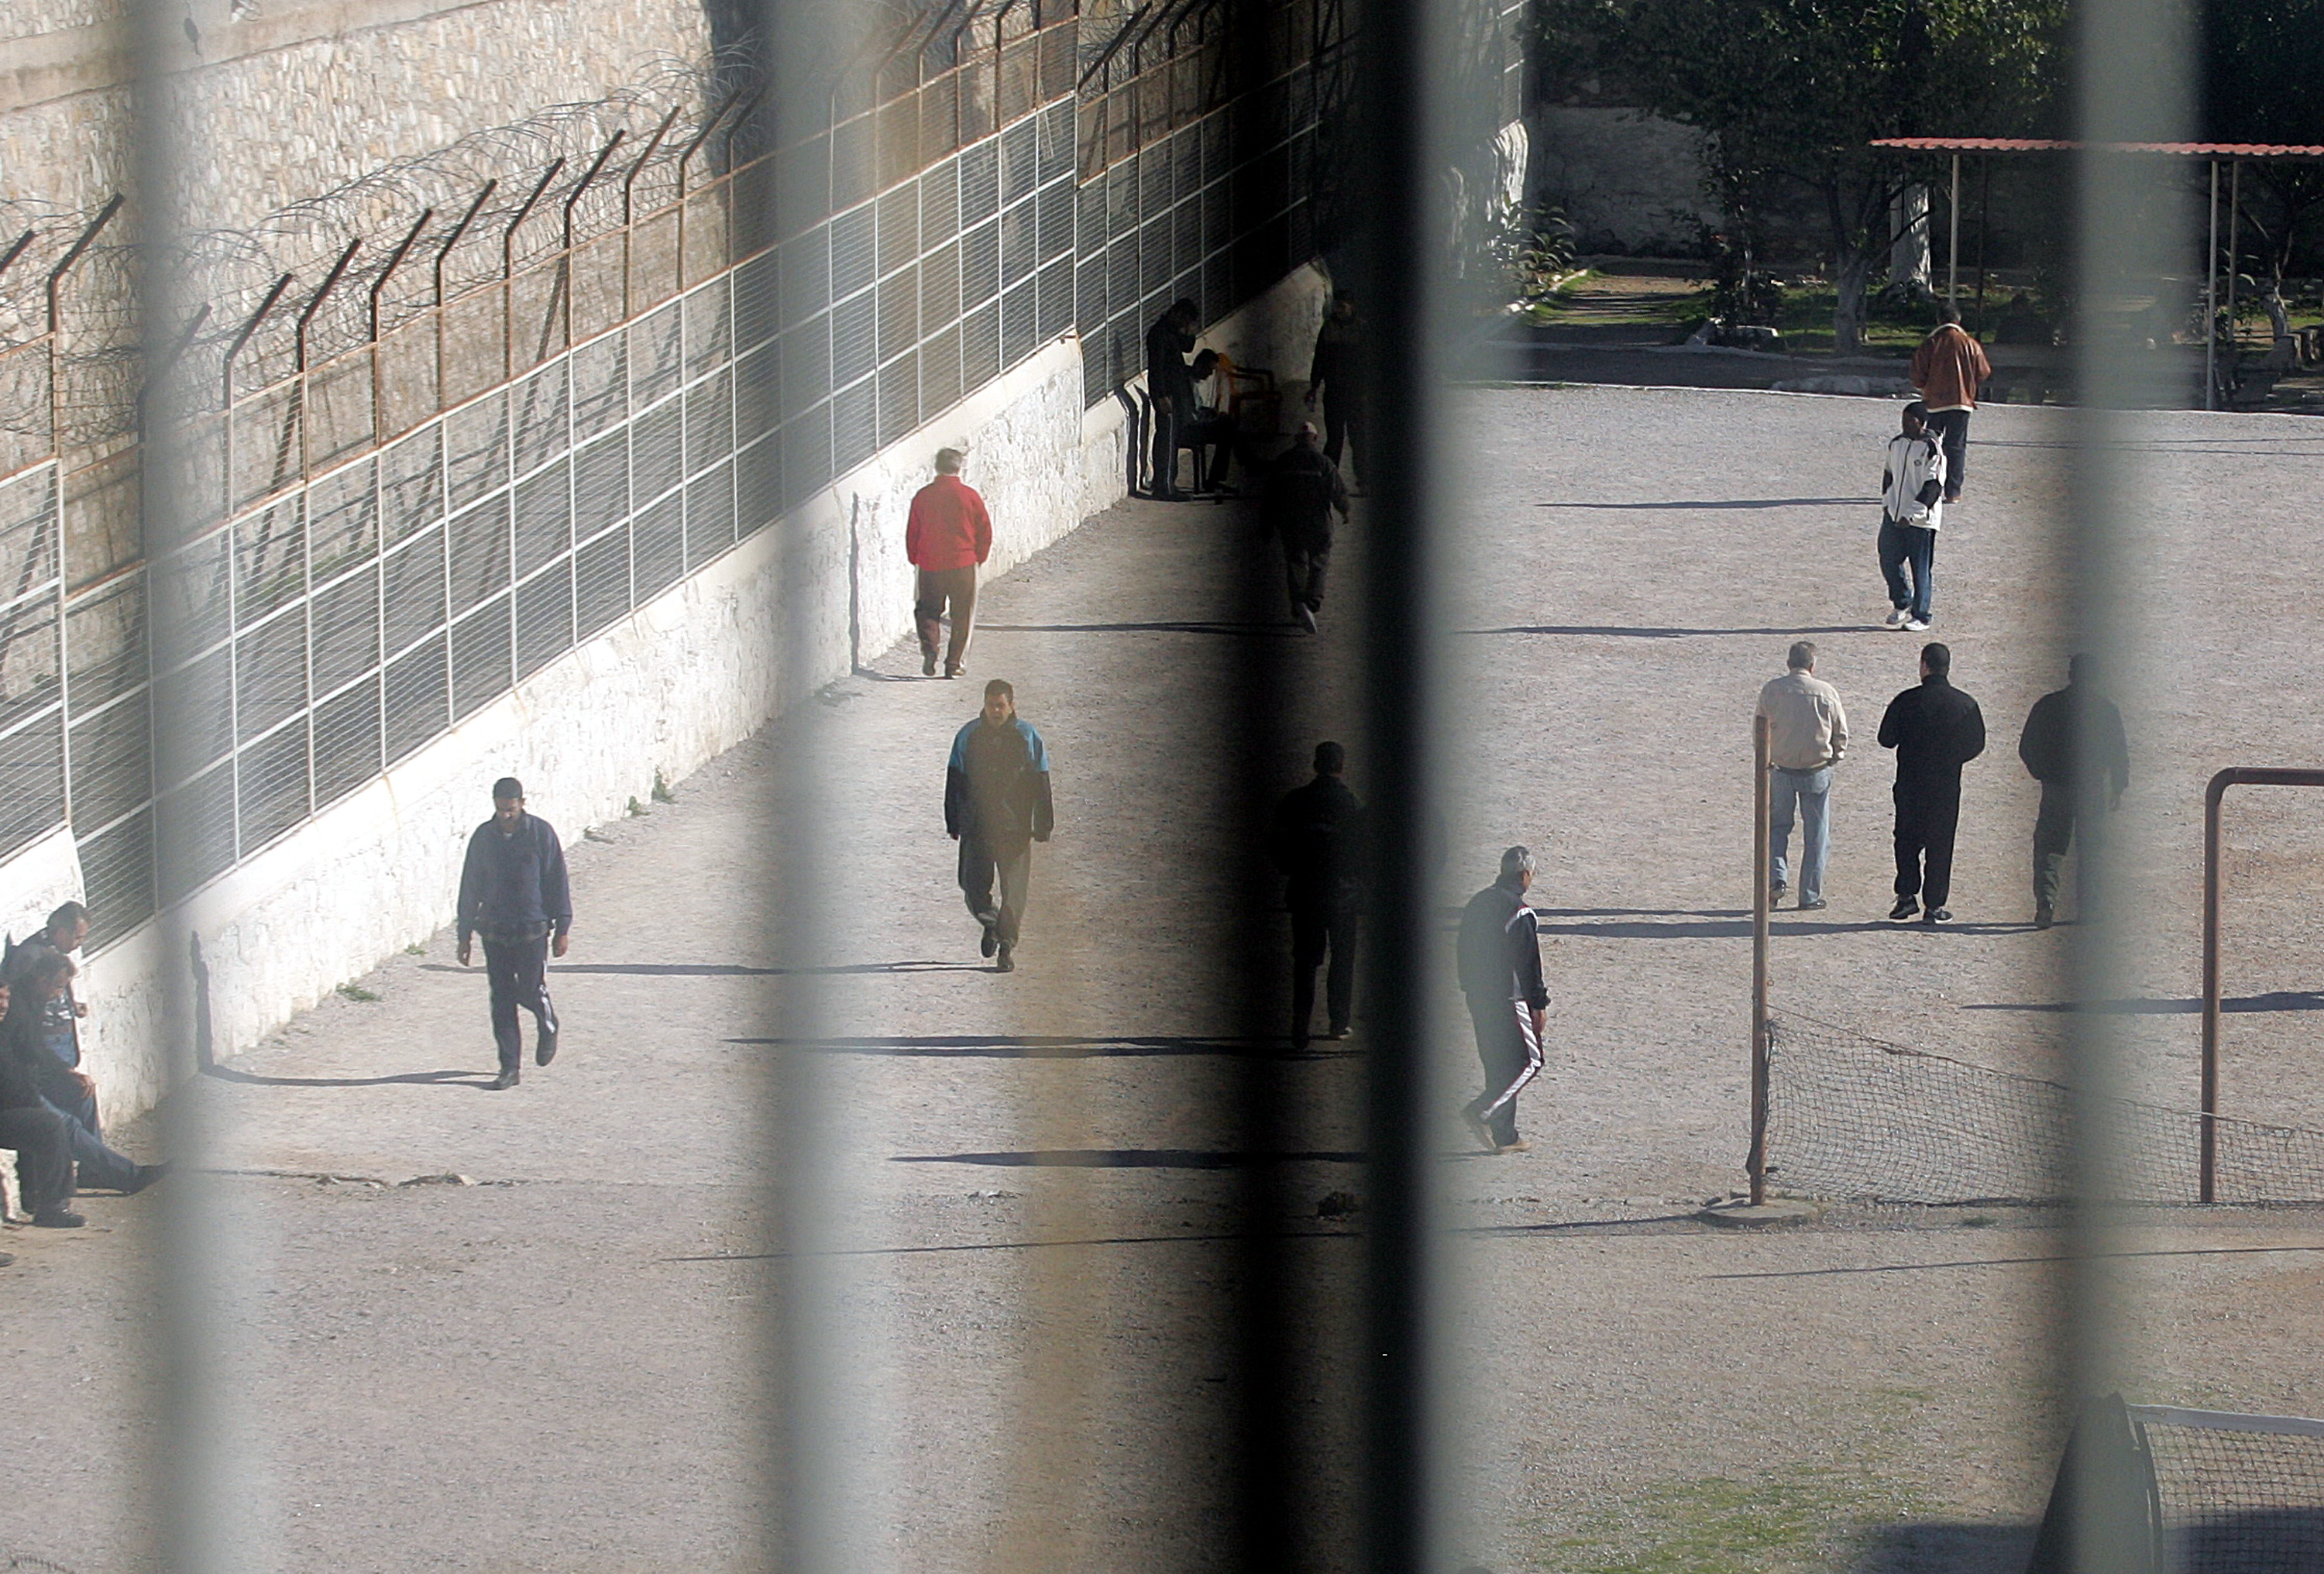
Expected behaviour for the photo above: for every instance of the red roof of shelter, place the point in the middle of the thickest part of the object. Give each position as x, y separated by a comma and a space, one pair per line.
2024, 145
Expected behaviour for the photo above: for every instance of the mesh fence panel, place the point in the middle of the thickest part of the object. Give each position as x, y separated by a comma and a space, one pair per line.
2236, 1494
1850, 1116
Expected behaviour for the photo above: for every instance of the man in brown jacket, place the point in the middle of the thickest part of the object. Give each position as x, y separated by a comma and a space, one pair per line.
1947, 371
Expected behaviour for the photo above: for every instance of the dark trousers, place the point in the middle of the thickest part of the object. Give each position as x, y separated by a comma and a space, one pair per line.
43, 1166
2062, 805
1012, 863
85, 1145
1344, 422
1305, 560
1165, 451
1950, 429
1511, 1056
518, 972
1312, 931
1212, 440
939, 589
1926, 818
1909, 545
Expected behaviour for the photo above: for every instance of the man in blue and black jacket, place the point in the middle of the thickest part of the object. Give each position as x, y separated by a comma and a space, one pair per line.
513, 892
996, 806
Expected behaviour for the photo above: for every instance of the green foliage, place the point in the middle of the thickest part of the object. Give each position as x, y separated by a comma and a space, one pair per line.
662, 792
356, 992
1535, 250
415, 949
1795, 1518
1791, 93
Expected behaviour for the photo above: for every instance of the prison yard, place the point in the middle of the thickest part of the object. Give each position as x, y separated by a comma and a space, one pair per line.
486, 1331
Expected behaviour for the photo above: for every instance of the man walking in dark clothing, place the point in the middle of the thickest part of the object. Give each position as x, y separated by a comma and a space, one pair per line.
1334, 377
514, 894
1935, 729
1303, 491
1170, 384
1316, 840
996, 805
2064, 729
1508, 1005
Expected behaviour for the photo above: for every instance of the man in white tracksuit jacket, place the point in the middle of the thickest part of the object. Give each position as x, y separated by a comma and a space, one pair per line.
1912, 489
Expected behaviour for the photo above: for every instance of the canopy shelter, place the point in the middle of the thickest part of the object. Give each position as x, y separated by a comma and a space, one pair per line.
2233, 154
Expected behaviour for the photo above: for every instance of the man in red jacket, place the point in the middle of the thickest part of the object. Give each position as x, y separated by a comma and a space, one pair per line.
1948, 369
948, 535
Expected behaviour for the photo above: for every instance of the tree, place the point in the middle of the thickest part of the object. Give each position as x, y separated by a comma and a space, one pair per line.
1790, 93
2263, 81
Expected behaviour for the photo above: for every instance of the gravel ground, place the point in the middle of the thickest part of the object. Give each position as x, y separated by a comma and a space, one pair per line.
552, 1368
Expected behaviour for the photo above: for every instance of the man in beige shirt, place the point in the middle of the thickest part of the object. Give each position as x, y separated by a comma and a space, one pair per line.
1807, 735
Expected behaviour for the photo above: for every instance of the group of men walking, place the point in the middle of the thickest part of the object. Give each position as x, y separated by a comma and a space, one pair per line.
2072, 743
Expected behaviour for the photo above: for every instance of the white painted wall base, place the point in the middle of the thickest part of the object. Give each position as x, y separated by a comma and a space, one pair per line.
679, 681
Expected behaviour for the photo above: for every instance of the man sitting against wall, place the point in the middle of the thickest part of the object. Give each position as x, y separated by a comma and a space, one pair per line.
49, 1048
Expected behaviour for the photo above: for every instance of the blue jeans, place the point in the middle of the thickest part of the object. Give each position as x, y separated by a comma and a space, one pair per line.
1909, 544
1811, 791
100, 1165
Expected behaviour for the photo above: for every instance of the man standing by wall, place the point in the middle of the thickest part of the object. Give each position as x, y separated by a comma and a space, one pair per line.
1947, 371
2058, 730
947, 538
1935, 729
996, 805
1334, 377
1807, 735
1508, 1004
513, 892
1170, 386
1303, 491
1316, 840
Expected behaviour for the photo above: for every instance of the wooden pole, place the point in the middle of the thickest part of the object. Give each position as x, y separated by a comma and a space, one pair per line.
1761, 899
2211, 298
1953, 245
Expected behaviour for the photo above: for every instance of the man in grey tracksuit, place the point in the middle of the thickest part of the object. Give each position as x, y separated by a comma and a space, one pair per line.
1508, 1005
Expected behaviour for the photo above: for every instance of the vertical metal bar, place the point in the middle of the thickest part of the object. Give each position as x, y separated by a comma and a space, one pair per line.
315, 303
1762, 898
1397, 219
1952, 245
443, 253
2211, 298
394, 261
73, 254
2214, 793
23, 242
508, 270
630, 180
2235, 256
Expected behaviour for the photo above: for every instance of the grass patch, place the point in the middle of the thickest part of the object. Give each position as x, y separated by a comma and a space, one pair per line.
1795, 1520
415, 949
357, 992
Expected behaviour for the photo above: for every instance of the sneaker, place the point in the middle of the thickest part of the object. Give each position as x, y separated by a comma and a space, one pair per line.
58, 1218
952, 672
1336, 1033
1306, 616
1473, 1115
1004, 963
1916, 626
1905, 907
928, 665
1898, 618
1519, 1145
507, 1079
1777, 892
2044, 916
1817, 905
1937, 915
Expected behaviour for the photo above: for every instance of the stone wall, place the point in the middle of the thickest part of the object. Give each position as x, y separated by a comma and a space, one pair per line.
1629, 182
330, 90
686, 677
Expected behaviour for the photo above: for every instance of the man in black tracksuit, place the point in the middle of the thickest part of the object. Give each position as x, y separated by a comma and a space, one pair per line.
513, 892
1508, 1005
1316, 840
996, 805
1303, 491
1935, 729
2052, 746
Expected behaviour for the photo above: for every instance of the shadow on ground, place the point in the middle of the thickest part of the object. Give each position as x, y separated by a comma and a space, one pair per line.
1942, 1547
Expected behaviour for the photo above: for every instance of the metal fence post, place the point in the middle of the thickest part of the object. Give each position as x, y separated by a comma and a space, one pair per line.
1762, 898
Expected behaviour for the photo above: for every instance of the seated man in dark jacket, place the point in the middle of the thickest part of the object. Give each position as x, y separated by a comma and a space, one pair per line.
28, 1124
52, 1053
